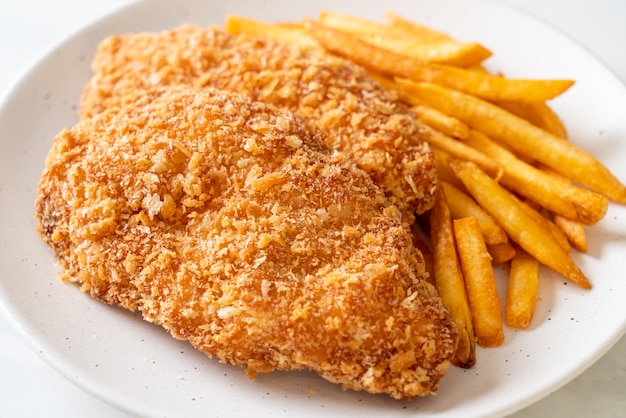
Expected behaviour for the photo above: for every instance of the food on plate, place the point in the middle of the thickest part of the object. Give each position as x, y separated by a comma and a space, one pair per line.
361, 118
480, 282
441, 122
449, 280
459, 149
389, 62
501, 253
526, 139
521, 227
522, 290
258, 187
573, 230
547, 190
289, 33
423, 46
232, 224
462, 206
539, 114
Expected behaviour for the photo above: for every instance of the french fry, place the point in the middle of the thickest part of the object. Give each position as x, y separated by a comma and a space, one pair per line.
443, 169
550, 192
574, 231
459, 149
441, 122
521, 136
461, 206
391, 63
501, 253
288, 33
360, 26
519, 225
539, 114
449, 281
522, 290
451, 53
415, 29
409, 40
545, 223
480, 282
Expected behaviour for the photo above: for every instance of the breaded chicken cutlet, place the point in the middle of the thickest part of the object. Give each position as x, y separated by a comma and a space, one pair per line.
381, 136
233, 225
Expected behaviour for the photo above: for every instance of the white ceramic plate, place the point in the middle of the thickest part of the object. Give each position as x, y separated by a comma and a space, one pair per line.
139, 368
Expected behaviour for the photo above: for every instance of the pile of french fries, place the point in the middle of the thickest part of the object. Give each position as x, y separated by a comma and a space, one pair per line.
512, 189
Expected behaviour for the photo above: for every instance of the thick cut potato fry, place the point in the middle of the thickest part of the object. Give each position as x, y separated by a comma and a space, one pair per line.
444, 172
522, 290
539, 114
545, 223
391, 63
574, 231
461, 206
443, 52
288, 33
519, 225
415, 29
449, 281
441, 122
408, 39
555, 194
360, 26
480, 282
459, 149
521, 136
501, 253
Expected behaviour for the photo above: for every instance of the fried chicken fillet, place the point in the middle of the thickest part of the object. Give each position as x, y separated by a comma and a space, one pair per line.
231, 224
381, 136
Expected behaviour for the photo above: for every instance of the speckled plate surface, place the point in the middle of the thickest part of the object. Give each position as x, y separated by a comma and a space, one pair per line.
141, 369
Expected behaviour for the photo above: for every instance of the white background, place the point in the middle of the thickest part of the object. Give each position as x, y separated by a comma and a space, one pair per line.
28, 28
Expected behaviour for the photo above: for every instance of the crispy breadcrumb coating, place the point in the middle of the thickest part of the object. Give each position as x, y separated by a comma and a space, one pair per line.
380, 135
231, 224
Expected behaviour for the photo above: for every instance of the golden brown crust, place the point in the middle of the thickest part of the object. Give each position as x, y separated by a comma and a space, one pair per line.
381, 136
232, 225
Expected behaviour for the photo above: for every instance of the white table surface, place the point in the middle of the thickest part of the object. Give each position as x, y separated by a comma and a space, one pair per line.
28, 28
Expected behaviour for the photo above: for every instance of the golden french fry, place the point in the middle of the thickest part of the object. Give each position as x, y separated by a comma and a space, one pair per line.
414, 29
574, 231
521, 136
388, 62
519, 225
358, 25
459, 149
522, 290
476, 54
449, 280
443, 169
461, 206
288, 33
480, 282
451, 53
539, 114
545, 223
501, 253
550, 192
441, 122
409, 40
